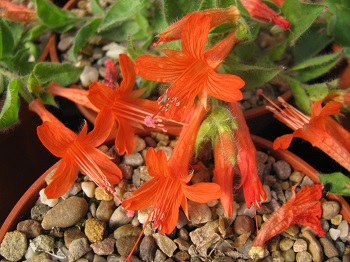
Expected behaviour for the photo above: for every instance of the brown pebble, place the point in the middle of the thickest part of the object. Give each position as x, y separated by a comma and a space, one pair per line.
30, 227
243, 224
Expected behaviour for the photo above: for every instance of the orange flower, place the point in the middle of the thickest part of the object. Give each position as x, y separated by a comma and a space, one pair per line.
111, 77
253, 189
319, 129
302, 208
261, 11
129, 111
17, 13
192, 71
216, 16
224, 150
77, 152
168, 189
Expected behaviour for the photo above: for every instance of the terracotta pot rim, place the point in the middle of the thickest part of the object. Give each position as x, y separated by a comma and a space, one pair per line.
22, 208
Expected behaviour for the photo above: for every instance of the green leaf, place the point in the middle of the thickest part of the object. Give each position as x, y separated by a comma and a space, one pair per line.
302, 99
276, 51
119, 12
35, 31
6, 40
319, 91
175, 10
51, 15
315, 67
207, 4
2, 84
301, 16
133, 50
84, 34
96, 8
254, 76
9, 111
341, 25
340, 184
121, 32
45, 73
314, 41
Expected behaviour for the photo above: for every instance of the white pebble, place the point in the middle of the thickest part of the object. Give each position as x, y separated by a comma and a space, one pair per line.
143, 214
88, 188
45, 200
343, 228
334, 233
114, 50
89, 75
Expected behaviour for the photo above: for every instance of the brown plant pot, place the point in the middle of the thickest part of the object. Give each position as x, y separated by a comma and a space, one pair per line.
22, 208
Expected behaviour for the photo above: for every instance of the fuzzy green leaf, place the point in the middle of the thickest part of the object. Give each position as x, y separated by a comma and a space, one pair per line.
96, 8
6, 39
319, 91
340, 25
9, 111
119, 12
300, 95
315, 67
175, 10
207, 4
84, 34
301, 16
45, 73
340, 184
51, 15
253, 76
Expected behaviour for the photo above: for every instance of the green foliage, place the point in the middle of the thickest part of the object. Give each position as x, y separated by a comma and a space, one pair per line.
301, 16
6, 40
9, 111
340, 183
175, 10
339, 24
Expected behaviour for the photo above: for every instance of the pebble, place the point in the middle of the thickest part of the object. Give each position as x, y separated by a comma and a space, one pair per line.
101, 194
114, 50
343, 227
38, 211
286, 244
299, 245
334, 233
165, 244
88, 188
94, 229
148, 248
42, 257
78, 248
134, 159
336, 219
296, 176
71, 234
14, 245
288, 255
243, 224
104, 247
44, 243
89, 75
144, 175
45, 200
330, 209
127, 171
306, 181
119, 218
303, 256
198, 213
73, 209
140, 144
314, 246
328, 247
283, 169
105, 210
65, 43
30, 227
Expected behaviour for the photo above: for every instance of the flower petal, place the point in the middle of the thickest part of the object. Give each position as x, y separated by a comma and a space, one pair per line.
283, 141
195, 35
63, 179
156, 162
128, 74
224, 86
125, 139
101, 95
55, 138
160, 69
202, 192
102, 128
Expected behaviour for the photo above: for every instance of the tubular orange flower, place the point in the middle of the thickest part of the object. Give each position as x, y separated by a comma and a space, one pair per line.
253, 189
167, 190
302, 208
77, 152
261, 11
15, 12
224, 151
192, 71
217, 17
319, 129
129, 110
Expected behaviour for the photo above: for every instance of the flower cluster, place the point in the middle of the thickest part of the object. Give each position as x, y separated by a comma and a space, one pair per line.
205, 60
